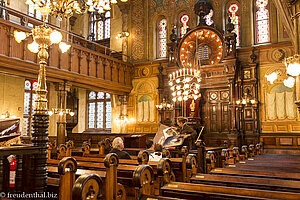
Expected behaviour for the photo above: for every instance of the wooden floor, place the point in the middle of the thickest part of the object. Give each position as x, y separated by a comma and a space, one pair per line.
269, 176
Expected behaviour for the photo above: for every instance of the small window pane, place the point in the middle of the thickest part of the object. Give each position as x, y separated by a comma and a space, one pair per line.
27, 85
107, 28
34, 97
91, 115
35, 85
108, 115
100, 109
107, 96
25, 126
26, 103
162, 37
208, 18
92, 95
100, 95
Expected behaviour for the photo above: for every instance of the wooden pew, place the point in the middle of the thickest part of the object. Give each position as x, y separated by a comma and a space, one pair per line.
66, 169
162, 170
67, 179
203, 191
248, 182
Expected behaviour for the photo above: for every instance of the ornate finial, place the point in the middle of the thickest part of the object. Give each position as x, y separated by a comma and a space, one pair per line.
173, 36
253, 56
229, 25
160, 68
202, 8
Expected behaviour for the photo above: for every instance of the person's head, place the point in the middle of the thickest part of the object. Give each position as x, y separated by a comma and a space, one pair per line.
157, 148
118, 143
181, 121
149, 144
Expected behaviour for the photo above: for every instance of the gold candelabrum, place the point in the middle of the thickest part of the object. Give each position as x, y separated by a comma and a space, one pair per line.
43, 37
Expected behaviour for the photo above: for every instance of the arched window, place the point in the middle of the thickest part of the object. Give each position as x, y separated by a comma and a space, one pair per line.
262, 22
184, 20
100, 26
162, 38
208, 18
99, 110
235, 19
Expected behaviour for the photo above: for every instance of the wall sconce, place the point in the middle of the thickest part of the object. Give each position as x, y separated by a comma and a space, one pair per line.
6, 115
246, 101
61, 112
124, 120
164, 105
123, 34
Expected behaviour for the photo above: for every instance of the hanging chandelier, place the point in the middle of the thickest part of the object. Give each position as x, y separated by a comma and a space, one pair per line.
185, 84
66, 8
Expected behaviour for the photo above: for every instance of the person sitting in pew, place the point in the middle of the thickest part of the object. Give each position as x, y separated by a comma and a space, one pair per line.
186, 130
118, 146
157, 154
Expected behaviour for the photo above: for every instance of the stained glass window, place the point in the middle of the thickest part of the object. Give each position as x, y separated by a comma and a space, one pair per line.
184, 20
262, 22
208, 18
235, 19
29, 105
100, 26
162, 38
203, 52
99, 108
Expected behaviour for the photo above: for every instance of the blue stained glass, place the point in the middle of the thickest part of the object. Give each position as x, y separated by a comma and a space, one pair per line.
203, 52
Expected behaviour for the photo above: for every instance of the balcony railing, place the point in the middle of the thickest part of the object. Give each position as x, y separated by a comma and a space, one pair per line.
86, 64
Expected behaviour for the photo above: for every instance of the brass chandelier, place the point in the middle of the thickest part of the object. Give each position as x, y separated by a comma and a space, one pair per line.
185, 84
66, 8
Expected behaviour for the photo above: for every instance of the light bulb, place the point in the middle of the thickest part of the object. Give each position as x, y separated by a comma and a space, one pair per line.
177, 80
173, 88
113, 1
64, 47
293, 69
50, 113
33, 47
196, 97
91, 9
244, 101
238, 102
101, 10
178, 87
178, 93
179, 98
55, 37
289, 82
185, 98
252, 101
124, 0
60, 113
174, 94
29, 2
89, 3
19, 36
72, 114
174, 99
170, 83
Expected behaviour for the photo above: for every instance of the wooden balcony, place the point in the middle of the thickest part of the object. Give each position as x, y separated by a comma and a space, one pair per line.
86, 64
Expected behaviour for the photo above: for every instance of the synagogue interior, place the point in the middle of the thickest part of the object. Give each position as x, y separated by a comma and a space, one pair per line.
150, 99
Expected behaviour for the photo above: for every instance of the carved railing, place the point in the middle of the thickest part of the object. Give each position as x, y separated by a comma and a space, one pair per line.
86, 64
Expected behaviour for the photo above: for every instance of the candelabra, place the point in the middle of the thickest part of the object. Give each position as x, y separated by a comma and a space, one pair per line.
185, 84
60, 111
164, 105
